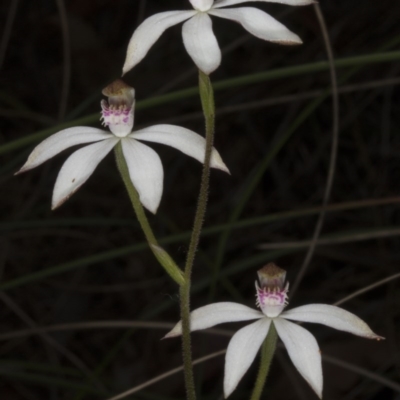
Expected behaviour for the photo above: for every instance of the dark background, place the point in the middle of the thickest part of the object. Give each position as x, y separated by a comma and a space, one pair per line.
86, 261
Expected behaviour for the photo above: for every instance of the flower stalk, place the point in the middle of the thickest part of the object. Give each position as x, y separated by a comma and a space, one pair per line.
208, 105
161, 255
267, 353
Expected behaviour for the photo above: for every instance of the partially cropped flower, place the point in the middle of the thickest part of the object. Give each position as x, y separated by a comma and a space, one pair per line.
272, 294
198, 36
145, 168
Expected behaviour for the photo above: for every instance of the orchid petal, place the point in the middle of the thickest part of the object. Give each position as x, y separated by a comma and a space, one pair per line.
148, 33
202, 5
242, 350
259, 24
60, 141
226, 3
303, 350
146, 172
201, 43
333, 317
185, 140
216, 313
78, 168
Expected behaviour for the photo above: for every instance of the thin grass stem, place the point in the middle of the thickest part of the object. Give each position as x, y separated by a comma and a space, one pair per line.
333, 153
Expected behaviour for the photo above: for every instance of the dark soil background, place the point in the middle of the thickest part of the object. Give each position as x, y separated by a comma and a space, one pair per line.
87, 261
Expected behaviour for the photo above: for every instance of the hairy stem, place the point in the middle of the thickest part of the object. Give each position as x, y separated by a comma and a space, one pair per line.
162, 256
267, 352
207, 101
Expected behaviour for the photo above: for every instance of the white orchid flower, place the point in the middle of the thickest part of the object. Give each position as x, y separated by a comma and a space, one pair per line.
198, 36
145, 168
272, 299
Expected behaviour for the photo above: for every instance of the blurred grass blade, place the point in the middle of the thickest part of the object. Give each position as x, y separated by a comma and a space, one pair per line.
225, 84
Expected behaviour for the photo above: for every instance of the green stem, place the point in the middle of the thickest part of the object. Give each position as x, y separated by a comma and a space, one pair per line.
162, 256
207, 102
267, 352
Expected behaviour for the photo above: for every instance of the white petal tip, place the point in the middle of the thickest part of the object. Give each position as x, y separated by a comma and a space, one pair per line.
55, 203
227, 392
292, 42
26, 167
126, 69
152, 209
129, 63
59, 203
20, 171
216, 162
224, 168
175, 332
169, 335
317, 390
